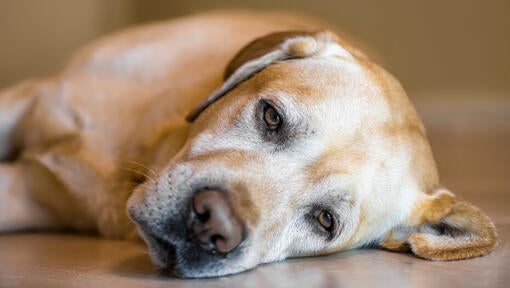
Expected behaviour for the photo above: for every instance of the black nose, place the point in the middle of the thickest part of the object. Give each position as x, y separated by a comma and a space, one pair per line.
217, 227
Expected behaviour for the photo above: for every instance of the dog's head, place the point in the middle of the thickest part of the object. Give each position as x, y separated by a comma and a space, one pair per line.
308, 148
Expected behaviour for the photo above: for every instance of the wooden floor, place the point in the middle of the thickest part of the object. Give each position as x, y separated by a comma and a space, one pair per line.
471, 142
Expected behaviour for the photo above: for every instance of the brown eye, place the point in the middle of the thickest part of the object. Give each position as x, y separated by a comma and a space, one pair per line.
326, 220
271, 118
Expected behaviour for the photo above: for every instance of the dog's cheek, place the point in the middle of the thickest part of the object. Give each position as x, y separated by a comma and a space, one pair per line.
134, 204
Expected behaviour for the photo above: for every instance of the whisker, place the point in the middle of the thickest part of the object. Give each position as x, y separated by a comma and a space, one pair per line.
144, 166
138, 172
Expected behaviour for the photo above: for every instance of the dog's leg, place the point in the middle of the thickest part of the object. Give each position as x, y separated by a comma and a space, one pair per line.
18, 210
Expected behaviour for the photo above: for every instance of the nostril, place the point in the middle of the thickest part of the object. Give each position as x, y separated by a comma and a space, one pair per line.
214, 242
203, 217
215, 239
216, 224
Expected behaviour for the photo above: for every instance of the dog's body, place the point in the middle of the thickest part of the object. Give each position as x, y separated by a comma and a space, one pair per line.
113, 106
347, 149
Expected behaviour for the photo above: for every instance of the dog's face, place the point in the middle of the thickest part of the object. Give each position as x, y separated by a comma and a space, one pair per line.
315, 152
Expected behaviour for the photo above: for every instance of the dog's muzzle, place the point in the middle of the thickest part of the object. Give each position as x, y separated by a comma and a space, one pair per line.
200, 238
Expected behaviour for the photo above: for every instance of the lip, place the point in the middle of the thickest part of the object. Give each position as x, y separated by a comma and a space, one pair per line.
165, 251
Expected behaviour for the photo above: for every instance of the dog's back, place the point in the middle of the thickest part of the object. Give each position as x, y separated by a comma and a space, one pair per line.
79, 131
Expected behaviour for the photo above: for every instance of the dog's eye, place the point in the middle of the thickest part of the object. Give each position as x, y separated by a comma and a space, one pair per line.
325, 219
272, 118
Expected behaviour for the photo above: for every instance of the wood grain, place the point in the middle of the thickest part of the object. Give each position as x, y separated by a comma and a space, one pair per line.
472, 148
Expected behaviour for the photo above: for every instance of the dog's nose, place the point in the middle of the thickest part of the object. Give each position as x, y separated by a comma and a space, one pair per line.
216, 226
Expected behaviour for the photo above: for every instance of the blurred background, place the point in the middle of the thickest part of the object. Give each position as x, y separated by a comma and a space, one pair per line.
452, 56
448, 48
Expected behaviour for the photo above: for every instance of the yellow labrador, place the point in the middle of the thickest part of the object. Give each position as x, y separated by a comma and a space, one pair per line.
303, 146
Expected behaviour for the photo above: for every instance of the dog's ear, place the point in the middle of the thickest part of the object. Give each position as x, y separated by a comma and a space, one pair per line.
443, 227
267, 50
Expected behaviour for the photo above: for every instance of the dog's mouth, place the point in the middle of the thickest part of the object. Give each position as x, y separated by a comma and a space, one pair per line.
193, 232
163, 250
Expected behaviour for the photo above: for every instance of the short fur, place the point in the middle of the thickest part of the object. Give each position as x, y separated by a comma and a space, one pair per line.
109, 129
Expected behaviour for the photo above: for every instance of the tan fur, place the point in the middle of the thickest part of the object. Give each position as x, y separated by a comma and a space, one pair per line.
76, 141
480, 234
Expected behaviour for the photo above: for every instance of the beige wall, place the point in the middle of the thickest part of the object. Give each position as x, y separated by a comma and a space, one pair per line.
429, 45
38, 35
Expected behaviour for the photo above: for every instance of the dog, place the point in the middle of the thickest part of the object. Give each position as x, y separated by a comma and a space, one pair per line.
301, 146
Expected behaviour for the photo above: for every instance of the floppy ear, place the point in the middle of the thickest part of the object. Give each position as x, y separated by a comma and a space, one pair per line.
272, 48
443, 227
